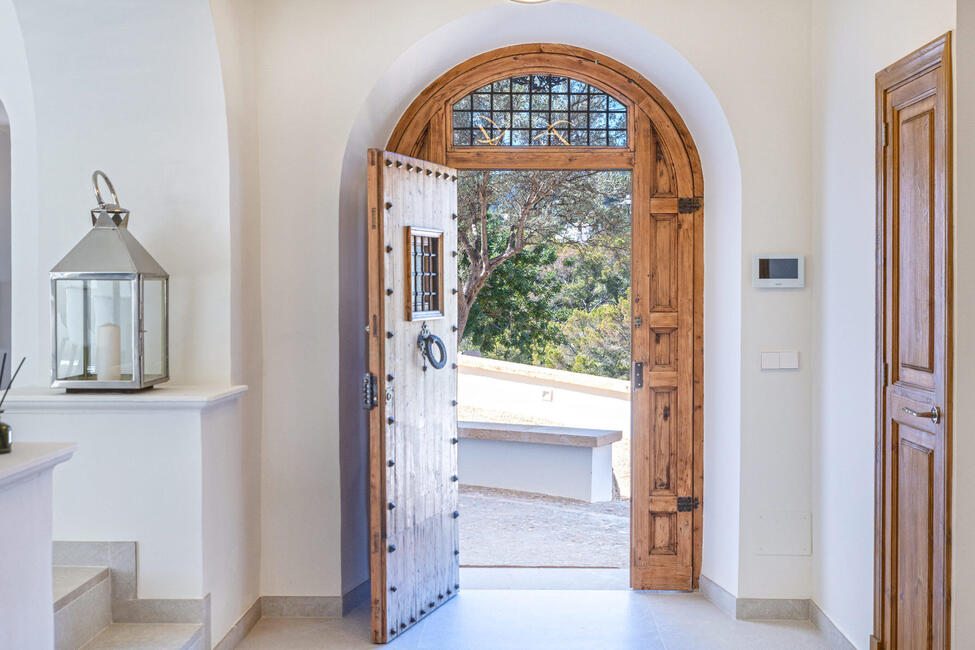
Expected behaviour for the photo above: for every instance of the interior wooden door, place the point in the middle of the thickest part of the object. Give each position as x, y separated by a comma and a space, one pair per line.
413, 425
664, 502
914, 315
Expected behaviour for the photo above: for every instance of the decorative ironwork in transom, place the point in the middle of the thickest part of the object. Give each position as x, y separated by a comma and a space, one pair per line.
539, 110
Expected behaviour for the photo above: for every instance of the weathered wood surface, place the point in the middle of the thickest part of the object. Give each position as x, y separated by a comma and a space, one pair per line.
413, 455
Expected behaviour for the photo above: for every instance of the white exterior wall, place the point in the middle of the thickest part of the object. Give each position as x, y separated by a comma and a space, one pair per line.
583, 473
563, 398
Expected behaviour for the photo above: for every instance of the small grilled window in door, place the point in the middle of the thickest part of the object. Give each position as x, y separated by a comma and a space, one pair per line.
425, 273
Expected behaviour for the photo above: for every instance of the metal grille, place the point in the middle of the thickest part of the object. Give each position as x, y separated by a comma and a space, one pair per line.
539, 110
425, 252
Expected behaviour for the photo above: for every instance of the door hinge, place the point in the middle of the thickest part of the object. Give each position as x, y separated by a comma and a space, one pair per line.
886, 374
370, 391
686, 206
638, 321
883, 135
687, 504
637, 375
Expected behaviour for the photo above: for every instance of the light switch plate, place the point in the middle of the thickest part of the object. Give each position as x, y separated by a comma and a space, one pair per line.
789, 360
770, 360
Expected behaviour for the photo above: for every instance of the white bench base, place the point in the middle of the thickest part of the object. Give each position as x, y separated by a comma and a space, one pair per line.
584, 473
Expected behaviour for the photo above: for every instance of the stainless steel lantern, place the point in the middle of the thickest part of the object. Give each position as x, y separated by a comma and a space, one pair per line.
109, 308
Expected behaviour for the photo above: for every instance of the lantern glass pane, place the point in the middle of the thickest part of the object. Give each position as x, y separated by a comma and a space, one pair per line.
154, 325
93, 330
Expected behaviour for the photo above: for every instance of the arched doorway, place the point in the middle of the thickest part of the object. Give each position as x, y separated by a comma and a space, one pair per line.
667, 172
667, 274
6, 312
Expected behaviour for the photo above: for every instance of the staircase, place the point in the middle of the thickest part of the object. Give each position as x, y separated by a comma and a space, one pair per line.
83, 619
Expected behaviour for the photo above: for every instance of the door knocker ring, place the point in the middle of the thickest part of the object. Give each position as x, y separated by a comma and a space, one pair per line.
427, 341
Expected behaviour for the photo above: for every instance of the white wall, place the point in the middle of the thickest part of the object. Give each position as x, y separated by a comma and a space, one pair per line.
136, 476
245, 176
852, 41
317, 101
239, 455
17, 97
230, 513
136, 91
26, 590
5, 297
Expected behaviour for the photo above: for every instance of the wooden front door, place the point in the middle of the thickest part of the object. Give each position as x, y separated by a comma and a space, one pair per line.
664, 502
411, 390
914, 354
667, 266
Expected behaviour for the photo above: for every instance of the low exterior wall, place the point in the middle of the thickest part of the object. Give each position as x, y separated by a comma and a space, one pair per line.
584, 473
541, 395
500, 391
559, 461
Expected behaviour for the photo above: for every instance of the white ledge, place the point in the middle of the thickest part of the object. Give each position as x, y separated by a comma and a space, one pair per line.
29, 458
163, 397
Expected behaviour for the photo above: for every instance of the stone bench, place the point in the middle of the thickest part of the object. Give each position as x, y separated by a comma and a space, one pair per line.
559, 461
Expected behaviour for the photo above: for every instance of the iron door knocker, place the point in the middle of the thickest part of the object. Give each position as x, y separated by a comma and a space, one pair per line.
426, 341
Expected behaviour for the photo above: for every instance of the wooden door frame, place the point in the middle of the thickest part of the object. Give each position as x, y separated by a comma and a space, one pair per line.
935, 54
424, 132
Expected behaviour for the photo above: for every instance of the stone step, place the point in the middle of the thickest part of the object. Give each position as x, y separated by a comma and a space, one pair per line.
148, 636
82, 604
72, 581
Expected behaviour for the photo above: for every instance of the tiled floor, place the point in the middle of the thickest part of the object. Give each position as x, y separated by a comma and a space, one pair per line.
530, 620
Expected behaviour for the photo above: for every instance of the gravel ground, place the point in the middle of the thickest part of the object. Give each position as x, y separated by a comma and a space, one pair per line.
508, 528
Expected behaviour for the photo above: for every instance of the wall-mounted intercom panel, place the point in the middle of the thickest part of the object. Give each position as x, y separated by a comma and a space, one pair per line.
778, 271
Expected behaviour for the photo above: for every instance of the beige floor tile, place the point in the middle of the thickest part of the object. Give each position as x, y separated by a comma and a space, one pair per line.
549, 619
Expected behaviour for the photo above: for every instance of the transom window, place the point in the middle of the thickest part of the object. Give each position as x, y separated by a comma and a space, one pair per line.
539, 110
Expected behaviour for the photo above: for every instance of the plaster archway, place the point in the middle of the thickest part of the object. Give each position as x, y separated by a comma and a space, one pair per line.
693, 98
17, 95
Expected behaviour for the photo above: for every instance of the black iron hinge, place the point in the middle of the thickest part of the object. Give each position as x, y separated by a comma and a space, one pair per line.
687, 504
370, 391
686, 206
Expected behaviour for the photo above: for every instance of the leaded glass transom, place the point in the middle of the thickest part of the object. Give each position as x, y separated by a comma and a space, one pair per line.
539, 110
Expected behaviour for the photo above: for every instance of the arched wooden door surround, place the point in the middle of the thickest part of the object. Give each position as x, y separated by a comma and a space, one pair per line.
667, 277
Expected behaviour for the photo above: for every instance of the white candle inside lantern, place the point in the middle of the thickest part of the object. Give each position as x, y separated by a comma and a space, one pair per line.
108, 353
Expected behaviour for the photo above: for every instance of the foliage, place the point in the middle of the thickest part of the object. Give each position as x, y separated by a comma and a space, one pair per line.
512, 318
595, 342
545, 268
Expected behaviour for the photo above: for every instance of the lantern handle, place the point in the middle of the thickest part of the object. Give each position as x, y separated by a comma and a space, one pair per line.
98, 192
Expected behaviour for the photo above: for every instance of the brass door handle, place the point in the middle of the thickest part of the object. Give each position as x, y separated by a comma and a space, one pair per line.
934, 414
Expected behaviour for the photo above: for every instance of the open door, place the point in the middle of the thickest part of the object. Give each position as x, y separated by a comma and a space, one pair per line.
411, 389
665, 506
914, 176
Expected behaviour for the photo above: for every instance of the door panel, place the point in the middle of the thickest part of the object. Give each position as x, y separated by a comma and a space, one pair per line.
413, 425
662, 506
914, 344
